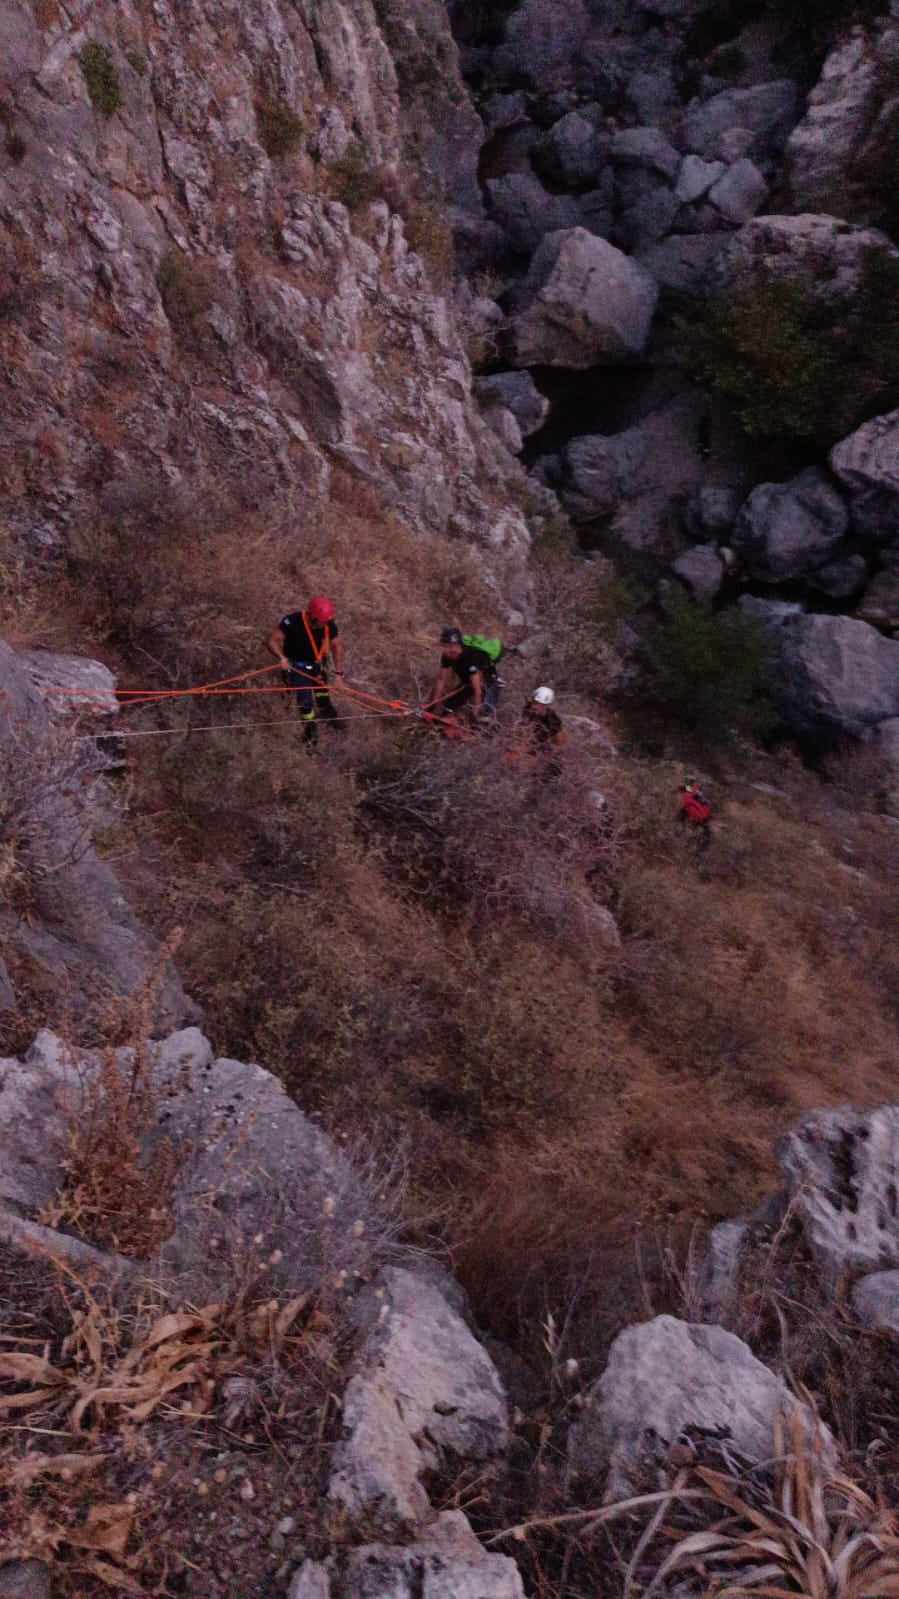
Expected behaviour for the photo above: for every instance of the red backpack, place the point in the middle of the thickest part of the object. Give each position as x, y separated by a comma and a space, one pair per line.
696, 808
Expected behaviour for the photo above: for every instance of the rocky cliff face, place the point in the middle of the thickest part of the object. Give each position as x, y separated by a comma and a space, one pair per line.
185, 298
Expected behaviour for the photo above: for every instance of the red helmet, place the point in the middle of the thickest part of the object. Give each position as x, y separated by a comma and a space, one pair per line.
320, 608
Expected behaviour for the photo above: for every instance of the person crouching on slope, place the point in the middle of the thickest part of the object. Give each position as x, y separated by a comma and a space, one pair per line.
466, 681
695, 812
302, 643
539, 734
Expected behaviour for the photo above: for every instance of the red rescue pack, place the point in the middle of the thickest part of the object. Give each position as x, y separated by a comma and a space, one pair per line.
696, 809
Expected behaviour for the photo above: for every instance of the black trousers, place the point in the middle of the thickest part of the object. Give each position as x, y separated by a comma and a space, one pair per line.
314, 703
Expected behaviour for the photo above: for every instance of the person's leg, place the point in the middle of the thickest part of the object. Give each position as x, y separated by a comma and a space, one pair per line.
305, 704
326, 710
492, 692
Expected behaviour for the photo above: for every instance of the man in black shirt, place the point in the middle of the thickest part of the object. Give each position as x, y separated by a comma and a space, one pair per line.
466, 679
302, 642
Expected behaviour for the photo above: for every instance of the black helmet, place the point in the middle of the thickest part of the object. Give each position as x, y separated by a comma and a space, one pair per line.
451, 635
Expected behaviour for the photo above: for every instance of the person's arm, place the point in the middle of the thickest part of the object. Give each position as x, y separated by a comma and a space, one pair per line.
559, 739
337, 652
439, 691
275, 643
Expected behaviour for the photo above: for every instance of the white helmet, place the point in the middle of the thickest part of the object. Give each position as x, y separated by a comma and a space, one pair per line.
543, 696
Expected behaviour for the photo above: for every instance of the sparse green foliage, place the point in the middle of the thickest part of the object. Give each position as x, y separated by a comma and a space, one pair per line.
796, 365
706, 671
137, 61
762, 346
101, 77
280, 129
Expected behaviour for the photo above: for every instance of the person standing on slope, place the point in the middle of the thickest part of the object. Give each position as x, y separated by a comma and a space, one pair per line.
539, 734
302, 642
695, 812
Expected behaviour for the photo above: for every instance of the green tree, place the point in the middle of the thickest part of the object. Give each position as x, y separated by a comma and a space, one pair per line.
707, 672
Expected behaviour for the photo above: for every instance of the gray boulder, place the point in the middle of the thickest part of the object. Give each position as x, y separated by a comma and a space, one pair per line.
717, 505
840, 676
875, 1300
702, 569
683, 265
821, 150
786, 529
37, 1096
424, 1392
601, 471
646, 220
71, 685
880, 603
696, 177
518, 392
842, 1168
573, 152
77, 926
505, 426
527, 212
770, 614
840, 579
720, 1274
585, 304
25, 1579
446, 1562
647, 148
827, 256
541, 44
867, 465
667, 1381
767, 112
740, 193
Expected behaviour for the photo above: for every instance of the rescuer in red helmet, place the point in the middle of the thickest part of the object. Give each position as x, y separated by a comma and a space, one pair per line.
303, 642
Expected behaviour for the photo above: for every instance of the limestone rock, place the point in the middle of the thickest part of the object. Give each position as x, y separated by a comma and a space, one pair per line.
786, 529
36, 1097
840, 675
527, 212
767, 111
647, 148
721, 1268
867, 465
541, 42
79, 928
840, 579
586, 303
841, 1168
684, 264
875, 1300
696, 177
702, 569
821, 149
667, 1380
25, 1579
740, 193
505, 426
573, 152
446, 1563
770, 614
424, 1391
71, 685
312, 1581
518, 392
880, 603
601, 471
825, 255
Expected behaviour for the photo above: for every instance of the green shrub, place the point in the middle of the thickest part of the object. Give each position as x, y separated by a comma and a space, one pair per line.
706, 672
101, 77
796, 366
280, 129
137, 62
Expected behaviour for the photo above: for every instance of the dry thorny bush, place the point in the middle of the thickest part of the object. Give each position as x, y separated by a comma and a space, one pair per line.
109, 1407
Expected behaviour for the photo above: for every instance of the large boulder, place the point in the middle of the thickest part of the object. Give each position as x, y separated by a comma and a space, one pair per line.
839, 675
668, 1381
740, 192
542, 42
527, 212
821, 150
71, 685
573, 153
586, 304
842, 1170
867, 465
602, 470
446, 1562
702, 569
518, 393
646, 148
879, 604
425, 1392
787, 529
684, 264
767, 112
827, 256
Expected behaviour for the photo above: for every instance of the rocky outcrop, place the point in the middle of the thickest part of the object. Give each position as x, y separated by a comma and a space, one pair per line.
841, 116
516, 392
425, 1393
585, 303
840, 675
667, 1382
752, 121
867, 466
787, 529
875, 1300
64, 913
826, 255
702, 569
447, 1562
841, 1168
